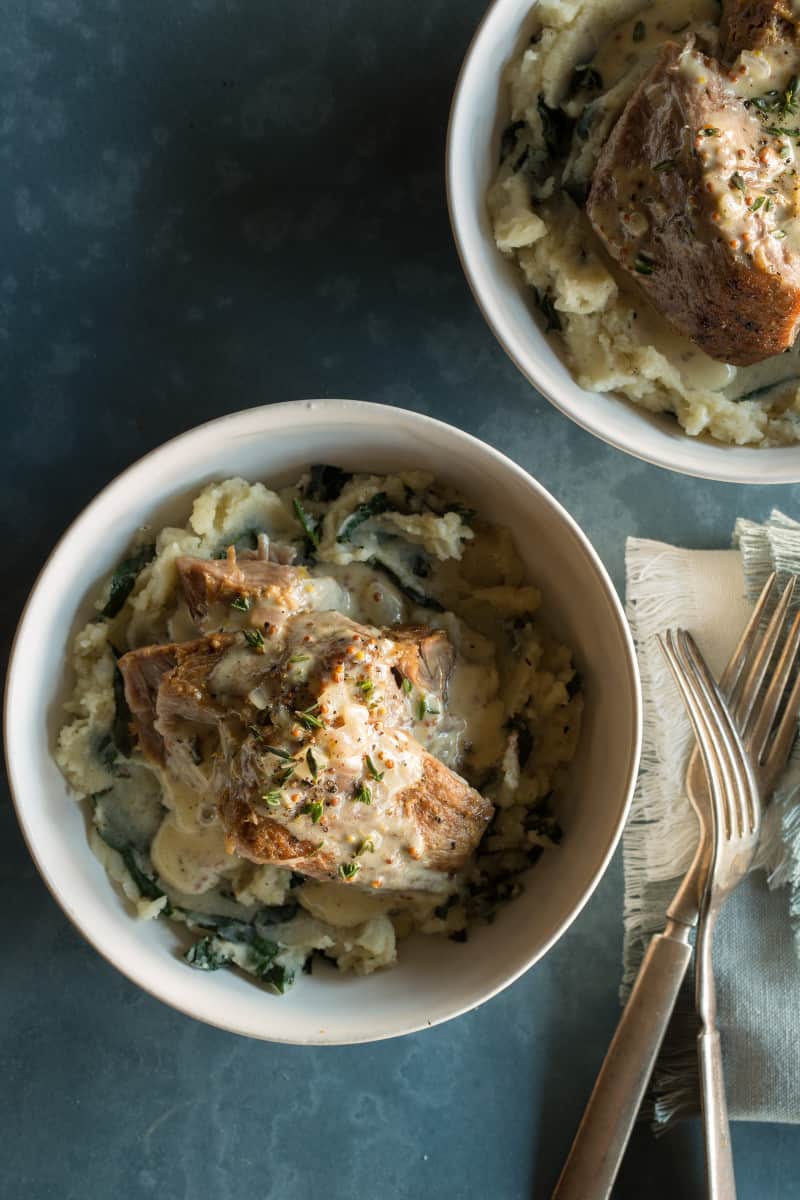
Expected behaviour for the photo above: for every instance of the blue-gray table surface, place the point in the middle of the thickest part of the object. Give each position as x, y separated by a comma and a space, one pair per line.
208, 205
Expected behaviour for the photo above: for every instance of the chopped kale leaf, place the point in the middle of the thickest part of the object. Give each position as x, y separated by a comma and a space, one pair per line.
585, 78
246, 540
548, 311
508, 141
585, 121
205, 955
542, 823
408, 590
524, 738
326, 482
373, 507
555, 128
124, 578
575, 685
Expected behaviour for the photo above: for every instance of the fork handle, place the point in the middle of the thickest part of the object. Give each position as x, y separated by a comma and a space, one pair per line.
719, 1156
603, 1134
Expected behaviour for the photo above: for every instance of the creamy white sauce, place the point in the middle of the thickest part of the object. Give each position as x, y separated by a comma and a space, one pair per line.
752, 181
191, 862
635, 42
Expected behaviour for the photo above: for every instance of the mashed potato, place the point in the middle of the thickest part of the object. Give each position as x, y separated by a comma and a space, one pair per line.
414, 554
566, 90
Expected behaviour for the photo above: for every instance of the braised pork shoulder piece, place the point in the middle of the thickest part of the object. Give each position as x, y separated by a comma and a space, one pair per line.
691, 195
301, 726
756, 25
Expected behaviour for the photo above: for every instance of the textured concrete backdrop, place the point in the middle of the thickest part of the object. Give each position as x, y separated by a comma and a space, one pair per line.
209, 205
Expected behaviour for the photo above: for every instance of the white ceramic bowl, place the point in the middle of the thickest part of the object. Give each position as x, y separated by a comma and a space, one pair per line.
478, 116
436, 979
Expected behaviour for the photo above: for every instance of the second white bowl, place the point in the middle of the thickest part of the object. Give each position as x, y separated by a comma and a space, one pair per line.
478, 116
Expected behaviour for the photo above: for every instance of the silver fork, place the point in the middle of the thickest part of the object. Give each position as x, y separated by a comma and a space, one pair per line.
597, 1151
685, 906
741, 774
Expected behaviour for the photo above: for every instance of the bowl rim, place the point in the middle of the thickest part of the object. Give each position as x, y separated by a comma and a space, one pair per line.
338, 410
544, 381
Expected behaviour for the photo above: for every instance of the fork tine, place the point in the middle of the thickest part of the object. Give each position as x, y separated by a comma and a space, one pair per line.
705, 734
726, 819
740, 659
776, 692
739, 803
766, 647
787, 729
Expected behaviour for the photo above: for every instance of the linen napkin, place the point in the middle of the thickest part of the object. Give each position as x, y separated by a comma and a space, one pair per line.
757, 944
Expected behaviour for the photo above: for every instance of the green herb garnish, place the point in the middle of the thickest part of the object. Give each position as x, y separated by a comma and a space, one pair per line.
298, 658
255, 640
278, 751
286, 774
373, 770
349, 871
366, 847
312, 764
643, 265
710, 131
309, 719
737, 181
422, 708
314, 810
242, 603
366, 687
407, 685
666, 164
309, 525
639, 31
272, 798
780, 234
124, 578
756, 205
362, 794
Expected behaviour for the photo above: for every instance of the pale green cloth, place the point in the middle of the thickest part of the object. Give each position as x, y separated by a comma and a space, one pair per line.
757, 965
